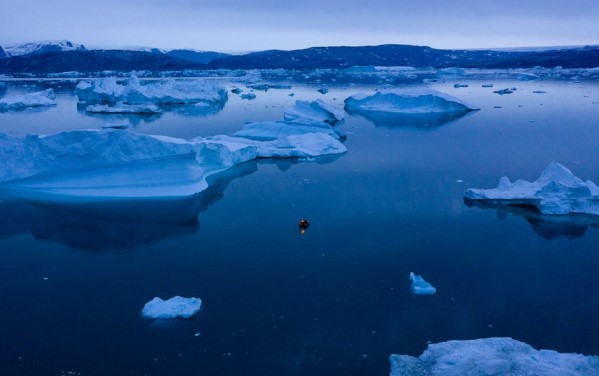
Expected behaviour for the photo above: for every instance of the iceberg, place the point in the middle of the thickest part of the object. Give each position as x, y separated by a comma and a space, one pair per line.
248, 96
271, 130
121, 108
266, 86
316, 110
30, 100
503, 91
108, 90
172, 308
420, 286
411, 101
557, 191
492, 356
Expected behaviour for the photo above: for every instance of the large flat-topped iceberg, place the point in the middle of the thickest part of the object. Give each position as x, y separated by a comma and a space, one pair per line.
271, 130
316, 110
556, 191
108, 90
172, 308
492, 356
30, 100
73, 150
410, 101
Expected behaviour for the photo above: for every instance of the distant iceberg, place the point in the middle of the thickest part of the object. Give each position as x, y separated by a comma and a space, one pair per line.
412, 101
172, 308
107, 90
121, 108
420, 286
556, 191
316, 110
492, 356
31, 100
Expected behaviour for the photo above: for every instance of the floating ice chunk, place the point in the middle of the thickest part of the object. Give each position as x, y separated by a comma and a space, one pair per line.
539, 92
236, 90
406, 101
248, 96
420, 286
487, 85
503, 91
266, 86
123, 125
29, 100
492, 356
172, 308
457, 86
313, 111
121, 108
71, 150
164, 92
556, 191
323, 90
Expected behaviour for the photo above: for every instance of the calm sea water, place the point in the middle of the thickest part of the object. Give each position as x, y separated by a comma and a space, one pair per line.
336, 300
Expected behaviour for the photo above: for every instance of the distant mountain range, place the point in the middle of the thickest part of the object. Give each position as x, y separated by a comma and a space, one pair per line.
64, 56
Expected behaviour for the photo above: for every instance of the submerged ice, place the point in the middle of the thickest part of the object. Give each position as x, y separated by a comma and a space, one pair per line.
492, 356
556, 191
172, 308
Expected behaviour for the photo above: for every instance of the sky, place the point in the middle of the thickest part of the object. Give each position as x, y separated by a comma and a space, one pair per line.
253, 25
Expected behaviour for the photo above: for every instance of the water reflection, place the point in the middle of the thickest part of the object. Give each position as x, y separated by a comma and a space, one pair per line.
423, 121
116, 224
546, 226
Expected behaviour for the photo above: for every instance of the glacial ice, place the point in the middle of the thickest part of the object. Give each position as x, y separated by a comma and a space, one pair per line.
30, 100
411, 101
556, 191
107, 90
271, 130
172, 308
420, 286
313, 111
492, 356
122, 108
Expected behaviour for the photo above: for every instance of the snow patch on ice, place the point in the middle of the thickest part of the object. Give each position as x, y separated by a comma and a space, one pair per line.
492, 356
556, 191
172, 308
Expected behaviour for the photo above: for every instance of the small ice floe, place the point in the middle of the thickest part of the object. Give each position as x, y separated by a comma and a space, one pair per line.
236, 90
123, 125
420, 286
291, 94
122, 108
313, 111
457, 86
266, 86
411, 101
18, 102
248, 96
503, 91
539, 92
323, 90
556, 191
171, 308
492, 356
487, 85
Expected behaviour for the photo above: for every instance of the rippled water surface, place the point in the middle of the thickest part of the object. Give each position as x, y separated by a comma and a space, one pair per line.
335, 300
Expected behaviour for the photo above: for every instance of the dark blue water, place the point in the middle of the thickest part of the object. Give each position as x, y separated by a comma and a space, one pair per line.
335, 300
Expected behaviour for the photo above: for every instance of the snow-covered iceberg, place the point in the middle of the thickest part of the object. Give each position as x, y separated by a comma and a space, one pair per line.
420, 286
410, 101
492, 356
172, 308
122, 108
556, 191
30, 100
316, 110
108, 90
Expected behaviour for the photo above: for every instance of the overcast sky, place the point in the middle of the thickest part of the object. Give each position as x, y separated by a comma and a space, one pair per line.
250, 25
